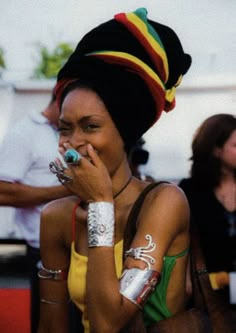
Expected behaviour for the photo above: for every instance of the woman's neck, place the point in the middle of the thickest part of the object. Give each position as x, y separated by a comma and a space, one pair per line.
226, 191
228, 175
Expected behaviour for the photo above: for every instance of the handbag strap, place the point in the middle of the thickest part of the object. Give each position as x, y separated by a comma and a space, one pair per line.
198, 271
131, 225
136, 324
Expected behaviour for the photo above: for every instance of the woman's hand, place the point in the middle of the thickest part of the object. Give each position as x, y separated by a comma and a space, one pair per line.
90, 177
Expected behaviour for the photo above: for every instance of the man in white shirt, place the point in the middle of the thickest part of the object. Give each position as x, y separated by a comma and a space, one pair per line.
27, 184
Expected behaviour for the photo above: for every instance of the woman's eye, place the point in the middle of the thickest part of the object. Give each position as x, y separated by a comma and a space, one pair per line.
62, 129
91, 127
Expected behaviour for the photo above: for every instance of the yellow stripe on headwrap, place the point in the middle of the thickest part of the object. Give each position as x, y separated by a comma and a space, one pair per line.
132, 59
153, 42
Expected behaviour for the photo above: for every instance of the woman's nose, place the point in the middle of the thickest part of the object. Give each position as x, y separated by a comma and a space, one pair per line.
76, 139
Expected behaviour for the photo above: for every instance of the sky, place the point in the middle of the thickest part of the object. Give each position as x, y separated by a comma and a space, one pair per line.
207, 28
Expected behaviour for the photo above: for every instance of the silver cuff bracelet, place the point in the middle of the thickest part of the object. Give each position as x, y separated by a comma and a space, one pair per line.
138, 284
101, 224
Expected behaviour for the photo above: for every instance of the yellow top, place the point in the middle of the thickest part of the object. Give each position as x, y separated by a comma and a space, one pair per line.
77, 278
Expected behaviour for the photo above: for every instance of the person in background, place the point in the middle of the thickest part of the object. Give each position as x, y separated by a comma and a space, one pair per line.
112, 89
137, 158
211, 191
27, 184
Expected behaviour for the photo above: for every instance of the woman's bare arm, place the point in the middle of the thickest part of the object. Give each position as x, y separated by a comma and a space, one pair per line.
54, 293
165, 216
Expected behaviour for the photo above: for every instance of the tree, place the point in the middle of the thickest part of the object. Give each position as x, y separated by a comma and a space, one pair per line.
51, 62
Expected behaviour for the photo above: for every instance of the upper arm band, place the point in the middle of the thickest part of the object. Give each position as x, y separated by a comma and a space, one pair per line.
138, 284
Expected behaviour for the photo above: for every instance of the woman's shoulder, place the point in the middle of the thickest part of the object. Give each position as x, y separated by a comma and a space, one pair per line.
167, 191
60, 206
165, 215
168, 201
56, 217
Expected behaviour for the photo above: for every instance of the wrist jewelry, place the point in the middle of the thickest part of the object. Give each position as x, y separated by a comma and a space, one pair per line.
101, 224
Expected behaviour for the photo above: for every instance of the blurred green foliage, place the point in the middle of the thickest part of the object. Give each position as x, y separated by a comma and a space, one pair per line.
2, 61
50, 62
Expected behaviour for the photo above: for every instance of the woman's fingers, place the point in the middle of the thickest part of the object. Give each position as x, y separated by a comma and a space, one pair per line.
92, 154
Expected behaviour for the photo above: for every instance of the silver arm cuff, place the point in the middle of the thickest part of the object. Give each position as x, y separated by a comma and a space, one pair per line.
101, 224
138, 284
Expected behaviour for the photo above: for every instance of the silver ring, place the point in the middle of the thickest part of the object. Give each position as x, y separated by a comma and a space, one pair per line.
71, 156
58, 170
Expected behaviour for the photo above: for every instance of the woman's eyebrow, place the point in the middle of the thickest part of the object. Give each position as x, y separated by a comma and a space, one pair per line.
62, 121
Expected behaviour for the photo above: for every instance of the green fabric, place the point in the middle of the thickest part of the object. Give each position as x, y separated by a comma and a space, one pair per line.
142, 14
156, 308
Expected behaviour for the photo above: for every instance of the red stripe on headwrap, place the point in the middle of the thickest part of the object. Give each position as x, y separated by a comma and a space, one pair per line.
60, 86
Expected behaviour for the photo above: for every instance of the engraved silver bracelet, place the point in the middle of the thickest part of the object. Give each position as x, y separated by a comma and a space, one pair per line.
101, 224
138, 284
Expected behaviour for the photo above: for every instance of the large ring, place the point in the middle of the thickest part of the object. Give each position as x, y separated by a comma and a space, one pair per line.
58, 170
71, 156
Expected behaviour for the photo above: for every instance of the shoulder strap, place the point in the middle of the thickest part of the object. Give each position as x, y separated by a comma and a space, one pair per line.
130, 229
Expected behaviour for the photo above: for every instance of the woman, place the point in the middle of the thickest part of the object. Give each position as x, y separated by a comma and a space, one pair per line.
211, 191
115, 85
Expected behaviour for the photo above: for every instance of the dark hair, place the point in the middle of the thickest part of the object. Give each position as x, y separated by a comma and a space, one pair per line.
139, 156
213, 133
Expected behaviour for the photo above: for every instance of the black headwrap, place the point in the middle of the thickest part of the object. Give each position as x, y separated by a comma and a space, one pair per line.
134, 65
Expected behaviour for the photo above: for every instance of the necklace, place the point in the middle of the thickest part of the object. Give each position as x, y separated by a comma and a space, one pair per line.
123, 188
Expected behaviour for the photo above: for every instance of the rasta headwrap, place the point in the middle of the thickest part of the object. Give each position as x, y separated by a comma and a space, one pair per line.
134, 65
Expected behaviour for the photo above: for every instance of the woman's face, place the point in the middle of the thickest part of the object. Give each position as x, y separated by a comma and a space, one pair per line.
227, 153
85, 120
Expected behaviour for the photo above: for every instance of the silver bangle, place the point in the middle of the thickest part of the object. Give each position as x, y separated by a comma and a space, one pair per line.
101, 224
138, 284
50, 274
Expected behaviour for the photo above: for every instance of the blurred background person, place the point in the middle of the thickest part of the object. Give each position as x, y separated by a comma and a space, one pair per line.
26, 182
211, 191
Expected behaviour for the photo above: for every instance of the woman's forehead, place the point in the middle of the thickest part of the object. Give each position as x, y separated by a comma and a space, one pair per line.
83, 100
